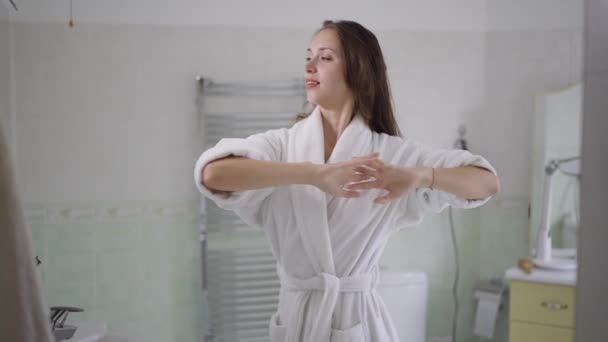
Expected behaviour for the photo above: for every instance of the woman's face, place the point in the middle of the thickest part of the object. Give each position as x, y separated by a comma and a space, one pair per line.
324, 71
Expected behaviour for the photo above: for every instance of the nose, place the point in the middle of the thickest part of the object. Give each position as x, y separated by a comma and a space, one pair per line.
310, 65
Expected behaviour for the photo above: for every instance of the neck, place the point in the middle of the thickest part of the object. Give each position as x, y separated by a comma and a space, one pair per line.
336, 119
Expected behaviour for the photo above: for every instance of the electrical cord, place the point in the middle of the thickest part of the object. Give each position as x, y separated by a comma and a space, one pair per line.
460, 143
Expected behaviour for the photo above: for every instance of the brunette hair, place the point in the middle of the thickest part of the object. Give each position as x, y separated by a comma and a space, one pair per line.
365, 75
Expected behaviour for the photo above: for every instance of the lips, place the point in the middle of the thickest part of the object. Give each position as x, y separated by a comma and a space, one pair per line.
310, 83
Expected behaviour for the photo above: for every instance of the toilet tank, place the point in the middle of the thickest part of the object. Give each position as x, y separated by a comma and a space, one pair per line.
405, 296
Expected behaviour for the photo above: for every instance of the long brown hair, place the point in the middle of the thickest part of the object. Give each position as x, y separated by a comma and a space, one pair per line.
365, 75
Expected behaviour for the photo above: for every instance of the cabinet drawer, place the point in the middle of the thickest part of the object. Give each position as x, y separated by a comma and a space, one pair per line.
526, 332
542, 303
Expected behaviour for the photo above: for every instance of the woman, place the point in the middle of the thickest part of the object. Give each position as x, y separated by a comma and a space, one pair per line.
330, 190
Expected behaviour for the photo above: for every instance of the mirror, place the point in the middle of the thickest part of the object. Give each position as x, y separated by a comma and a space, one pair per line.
557, 135
105, 120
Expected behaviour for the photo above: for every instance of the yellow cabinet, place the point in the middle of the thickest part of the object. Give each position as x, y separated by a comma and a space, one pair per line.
541, 312
520, 331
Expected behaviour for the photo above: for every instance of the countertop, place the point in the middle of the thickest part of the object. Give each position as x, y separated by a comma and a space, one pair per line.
566, 278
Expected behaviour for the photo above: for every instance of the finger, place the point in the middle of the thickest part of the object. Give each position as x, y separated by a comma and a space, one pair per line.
374, 163
368, 165
363, 185
363, 169
360, 173
349, 184
360, 180
355, 163
368, 168
357, 177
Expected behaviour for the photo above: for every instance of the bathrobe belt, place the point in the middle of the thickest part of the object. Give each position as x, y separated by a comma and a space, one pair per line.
331, 287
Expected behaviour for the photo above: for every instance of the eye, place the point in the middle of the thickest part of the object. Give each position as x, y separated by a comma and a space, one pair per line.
307, 59
326, 58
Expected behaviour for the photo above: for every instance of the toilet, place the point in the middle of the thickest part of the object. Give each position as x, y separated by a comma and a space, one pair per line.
405, 296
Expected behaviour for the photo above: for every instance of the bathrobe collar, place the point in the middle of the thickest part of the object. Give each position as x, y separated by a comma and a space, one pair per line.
354, 140
310, 202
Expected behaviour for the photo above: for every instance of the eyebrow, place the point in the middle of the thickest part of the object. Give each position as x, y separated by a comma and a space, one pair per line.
323, 48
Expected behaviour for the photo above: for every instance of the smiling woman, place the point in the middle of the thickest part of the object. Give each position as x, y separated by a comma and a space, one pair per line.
367, 182
347, 59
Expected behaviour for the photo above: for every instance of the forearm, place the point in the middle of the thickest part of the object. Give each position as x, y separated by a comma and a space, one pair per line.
468, 182
238, 174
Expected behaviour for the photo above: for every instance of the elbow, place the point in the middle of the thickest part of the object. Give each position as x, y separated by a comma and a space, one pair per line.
207, 176
214, 177
210, 178
489, 183
494, 187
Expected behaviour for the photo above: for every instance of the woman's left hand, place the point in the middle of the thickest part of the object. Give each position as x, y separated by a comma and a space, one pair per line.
396, 180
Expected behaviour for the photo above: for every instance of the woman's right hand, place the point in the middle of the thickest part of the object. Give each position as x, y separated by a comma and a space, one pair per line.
331, 178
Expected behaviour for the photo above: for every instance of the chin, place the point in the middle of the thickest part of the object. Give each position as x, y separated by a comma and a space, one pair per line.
312, 99
315, 99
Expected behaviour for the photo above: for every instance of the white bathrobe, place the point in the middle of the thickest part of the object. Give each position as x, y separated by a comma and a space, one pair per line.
328, 248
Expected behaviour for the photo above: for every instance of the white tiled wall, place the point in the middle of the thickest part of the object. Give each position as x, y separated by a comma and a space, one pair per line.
140, 274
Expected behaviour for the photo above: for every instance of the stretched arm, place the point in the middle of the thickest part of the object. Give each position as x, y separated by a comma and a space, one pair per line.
470, 182
238, 173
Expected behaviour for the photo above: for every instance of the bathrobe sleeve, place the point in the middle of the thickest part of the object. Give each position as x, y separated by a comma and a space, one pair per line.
262, 146
420, 201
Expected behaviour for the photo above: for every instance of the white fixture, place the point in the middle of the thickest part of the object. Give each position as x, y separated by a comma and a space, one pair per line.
543, 257
405, 297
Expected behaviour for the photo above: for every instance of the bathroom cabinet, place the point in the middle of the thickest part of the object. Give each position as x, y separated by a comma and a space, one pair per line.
541, 311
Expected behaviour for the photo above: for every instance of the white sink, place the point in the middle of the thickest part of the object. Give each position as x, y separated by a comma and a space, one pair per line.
88, 332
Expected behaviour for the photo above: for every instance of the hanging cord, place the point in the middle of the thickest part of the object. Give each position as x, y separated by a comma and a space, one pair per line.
457, 275
71, 24
460, 143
